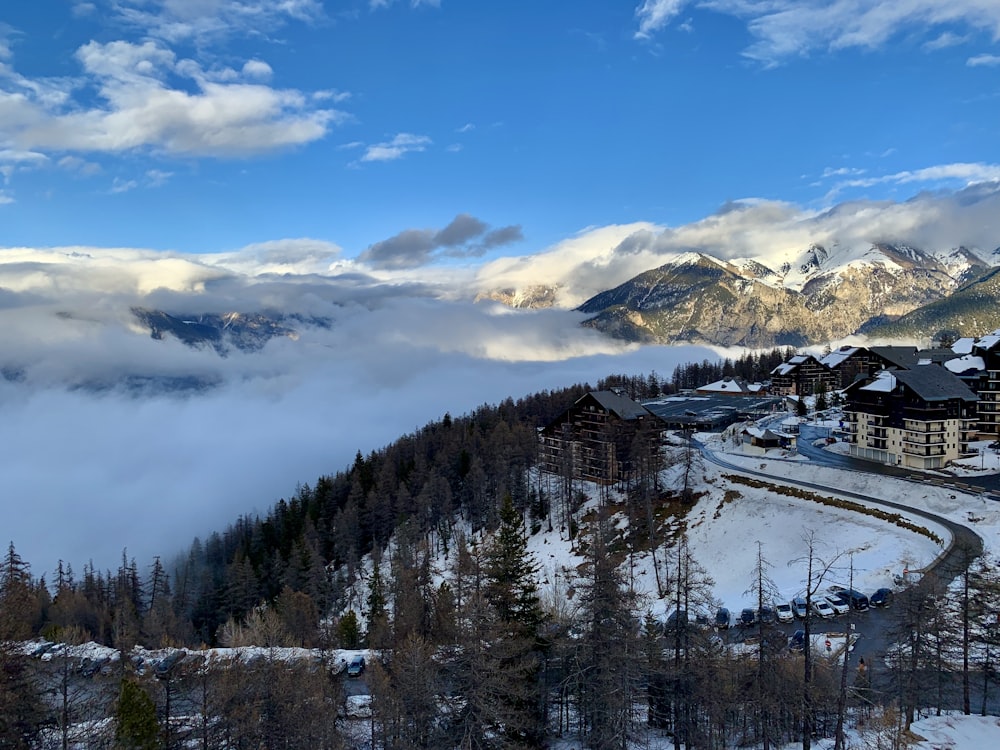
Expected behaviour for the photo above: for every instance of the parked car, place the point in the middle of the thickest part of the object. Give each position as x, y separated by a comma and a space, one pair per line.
765, 613
799, 607
723, 618
881, 598
798, 641
784, 612
856, 599
677, 618
840, 607
822, 608
748, 617
357, 666
167, 663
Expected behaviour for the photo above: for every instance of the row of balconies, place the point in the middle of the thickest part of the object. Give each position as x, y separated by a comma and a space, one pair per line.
908, 438
923, 451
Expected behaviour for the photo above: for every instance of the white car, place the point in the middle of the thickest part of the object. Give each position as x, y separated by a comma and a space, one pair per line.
783, 611
840, 607
799, 607
822, 608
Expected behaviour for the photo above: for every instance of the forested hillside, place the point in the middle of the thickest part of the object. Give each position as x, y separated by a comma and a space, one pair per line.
419, 552
456, 470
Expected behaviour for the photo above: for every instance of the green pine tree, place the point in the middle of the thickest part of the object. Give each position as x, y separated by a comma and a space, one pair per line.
512, 573
136, 727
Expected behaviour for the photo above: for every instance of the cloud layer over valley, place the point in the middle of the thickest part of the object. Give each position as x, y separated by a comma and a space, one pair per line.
115, 439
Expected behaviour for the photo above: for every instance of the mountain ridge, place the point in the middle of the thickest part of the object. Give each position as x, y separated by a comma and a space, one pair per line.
823, 296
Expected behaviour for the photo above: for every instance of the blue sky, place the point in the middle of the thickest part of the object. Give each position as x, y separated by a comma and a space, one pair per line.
210, 125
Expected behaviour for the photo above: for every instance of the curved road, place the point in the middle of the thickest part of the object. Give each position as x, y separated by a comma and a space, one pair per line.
965, 546
808, 434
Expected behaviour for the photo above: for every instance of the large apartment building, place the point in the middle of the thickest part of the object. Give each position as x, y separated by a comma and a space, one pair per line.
920, 418
594, 440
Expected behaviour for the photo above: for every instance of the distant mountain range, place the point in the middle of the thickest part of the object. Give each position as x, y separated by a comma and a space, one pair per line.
891, 291
882, 291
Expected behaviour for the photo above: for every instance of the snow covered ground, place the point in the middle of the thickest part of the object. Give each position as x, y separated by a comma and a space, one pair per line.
725, 526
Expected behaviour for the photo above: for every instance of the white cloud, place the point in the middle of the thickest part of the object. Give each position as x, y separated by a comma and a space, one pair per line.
79, 166
118, 185
466, 128
22, 157
654, 15
142, 111
157, 177
5, 198
400, 145
204, 20
983, 61
376, 4
257, 69
964, 173
944, 41
787, 28
331, 95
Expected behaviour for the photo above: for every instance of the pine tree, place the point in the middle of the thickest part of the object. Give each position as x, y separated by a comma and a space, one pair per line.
136, 727
378, 619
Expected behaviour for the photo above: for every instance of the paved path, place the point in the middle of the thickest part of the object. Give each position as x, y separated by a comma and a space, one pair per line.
809, 434
965, 546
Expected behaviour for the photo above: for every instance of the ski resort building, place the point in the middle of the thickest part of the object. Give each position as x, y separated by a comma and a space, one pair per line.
801, 375
920, 418
595, 439
977, 364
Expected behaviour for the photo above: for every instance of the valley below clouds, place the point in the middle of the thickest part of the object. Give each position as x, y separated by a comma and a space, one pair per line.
114, 440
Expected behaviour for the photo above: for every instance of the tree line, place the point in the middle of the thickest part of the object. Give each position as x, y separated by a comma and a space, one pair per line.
488, 650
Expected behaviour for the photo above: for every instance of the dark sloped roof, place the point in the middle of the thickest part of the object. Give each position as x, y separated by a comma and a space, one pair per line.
934, 383
900, 356
622, 406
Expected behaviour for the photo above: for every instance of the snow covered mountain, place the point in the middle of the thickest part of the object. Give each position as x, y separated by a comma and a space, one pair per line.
819, 295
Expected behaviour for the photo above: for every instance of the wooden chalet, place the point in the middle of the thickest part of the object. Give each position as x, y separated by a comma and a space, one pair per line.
594, 439
800, 376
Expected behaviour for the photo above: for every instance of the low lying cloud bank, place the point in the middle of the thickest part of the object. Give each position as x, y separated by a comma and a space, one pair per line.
116, 440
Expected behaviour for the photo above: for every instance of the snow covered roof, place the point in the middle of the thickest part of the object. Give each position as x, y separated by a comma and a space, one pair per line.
726, 385
884, 382
968, 363
835, 358
989, 342
792, 364
763, 434
963, 345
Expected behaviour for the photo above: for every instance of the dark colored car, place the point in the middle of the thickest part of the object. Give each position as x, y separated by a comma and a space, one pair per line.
676, 619
856, 599
722, 618
748, 617
798, 641
357, 666
881, 598
166, 665
766, 614
90, 667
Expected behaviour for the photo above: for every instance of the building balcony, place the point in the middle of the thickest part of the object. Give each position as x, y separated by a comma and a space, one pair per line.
878, 443
917, 440
925, 413
923, 450
911, 425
